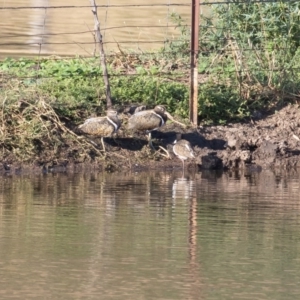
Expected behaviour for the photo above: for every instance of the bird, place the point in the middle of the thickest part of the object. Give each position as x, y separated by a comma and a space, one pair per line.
102, 126
148, 120
140, 108
133, 109
182, 149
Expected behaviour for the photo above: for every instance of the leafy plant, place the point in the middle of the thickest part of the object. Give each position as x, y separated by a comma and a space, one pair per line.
245, 49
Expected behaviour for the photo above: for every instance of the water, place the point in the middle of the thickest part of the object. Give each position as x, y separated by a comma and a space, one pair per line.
67, 31
150, 236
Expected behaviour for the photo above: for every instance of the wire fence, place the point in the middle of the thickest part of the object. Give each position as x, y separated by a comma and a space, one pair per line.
45, 27
249, 45
65, 32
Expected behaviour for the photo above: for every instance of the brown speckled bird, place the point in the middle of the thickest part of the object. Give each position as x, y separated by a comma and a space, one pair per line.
140, 108
182, 149
148, 120
102, 126
133, 109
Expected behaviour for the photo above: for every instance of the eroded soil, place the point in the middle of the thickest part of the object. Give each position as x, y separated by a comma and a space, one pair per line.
269, 141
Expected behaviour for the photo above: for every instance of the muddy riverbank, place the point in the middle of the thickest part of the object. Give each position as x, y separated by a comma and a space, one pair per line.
265, 141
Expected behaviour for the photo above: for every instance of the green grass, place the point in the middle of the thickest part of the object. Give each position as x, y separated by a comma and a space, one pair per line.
249, 60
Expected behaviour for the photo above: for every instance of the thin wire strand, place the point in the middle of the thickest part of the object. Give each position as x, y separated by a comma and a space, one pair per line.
208, 3
89, 6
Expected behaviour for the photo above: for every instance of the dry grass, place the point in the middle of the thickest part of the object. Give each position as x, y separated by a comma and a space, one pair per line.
31, 128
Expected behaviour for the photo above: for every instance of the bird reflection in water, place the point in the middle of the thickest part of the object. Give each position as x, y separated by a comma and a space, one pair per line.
184, 191
182, 188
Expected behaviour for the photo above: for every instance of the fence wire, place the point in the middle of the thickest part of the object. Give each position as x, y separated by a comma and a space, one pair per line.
251, 46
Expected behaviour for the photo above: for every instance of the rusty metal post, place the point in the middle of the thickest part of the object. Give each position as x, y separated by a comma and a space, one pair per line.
194, 62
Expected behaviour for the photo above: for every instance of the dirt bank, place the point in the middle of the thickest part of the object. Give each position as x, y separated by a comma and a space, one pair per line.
268, 141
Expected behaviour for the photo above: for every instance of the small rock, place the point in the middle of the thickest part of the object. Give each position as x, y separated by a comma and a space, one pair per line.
211, 162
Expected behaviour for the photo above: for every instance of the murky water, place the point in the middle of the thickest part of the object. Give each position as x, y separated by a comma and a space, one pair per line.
67, 31
150, 236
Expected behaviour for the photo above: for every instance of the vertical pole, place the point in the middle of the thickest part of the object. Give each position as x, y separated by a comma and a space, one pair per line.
194, 62
102, 54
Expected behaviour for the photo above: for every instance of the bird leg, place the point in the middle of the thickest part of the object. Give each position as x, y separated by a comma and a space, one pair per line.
102, 142
182, 168
114, 137
150, 141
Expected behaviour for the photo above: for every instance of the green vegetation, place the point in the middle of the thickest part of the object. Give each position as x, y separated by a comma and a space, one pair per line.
44, 100
75, 86
249, 58
249, 61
